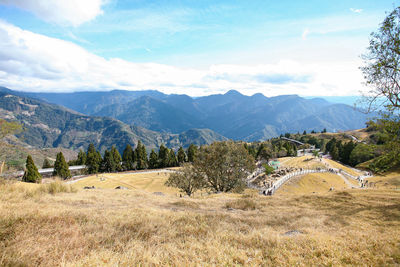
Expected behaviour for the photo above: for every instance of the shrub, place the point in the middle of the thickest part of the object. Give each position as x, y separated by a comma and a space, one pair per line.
57, 187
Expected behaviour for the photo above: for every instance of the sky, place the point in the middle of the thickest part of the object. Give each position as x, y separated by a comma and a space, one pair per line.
196, 47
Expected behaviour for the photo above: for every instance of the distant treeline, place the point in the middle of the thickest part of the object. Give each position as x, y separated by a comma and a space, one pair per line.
132, 159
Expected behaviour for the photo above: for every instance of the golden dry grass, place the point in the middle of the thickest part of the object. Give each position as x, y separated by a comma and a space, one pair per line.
390, 180
337, 165
312, 183
106, 227
151, 182
308, 162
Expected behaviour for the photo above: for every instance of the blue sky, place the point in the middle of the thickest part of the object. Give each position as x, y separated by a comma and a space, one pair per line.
192, 47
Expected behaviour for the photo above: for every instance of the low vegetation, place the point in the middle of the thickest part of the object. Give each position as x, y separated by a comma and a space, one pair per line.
15, 189
131, 227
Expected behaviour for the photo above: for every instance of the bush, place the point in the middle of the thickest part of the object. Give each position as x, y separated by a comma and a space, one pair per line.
57, 187
268, 169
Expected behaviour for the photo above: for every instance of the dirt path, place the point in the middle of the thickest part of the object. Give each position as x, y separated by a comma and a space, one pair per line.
350, 185
345, 179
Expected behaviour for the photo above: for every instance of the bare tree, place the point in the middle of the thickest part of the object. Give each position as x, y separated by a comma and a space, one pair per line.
381, 65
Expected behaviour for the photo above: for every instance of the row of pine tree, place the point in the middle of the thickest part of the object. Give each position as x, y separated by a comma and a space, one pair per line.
112, 161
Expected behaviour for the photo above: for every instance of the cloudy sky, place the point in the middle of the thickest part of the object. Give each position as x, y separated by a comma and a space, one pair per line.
310, 48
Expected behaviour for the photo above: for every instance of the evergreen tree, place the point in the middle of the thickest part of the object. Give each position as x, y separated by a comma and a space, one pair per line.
93, 160
81, 158
172, 160
108, 163
163, 156
192, 152
141, 156
117, 159
31, 174
61, 168
153, 161
329, 146
346, 151
305, 132
47, 164
181, 155
91, 148
128, 158
335, 152
251, 150
264, 152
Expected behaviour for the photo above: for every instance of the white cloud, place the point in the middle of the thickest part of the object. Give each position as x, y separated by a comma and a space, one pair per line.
33, 62
306, 32
355, 10
64, 12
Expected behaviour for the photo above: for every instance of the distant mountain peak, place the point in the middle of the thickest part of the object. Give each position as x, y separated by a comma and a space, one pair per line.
258, 95
233, 93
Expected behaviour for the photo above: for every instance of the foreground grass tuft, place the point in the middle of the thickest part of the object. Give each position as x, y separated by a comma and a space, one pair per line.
57, 187
242, 204
30, 190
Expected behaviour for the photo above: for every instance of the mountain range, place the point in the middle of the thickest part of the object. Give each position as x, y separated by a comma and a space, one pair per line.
119, 117
232, 114
50, 125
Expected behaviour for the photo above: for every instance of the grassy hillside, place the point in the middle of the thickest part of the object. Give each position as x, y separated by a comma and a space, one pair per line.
40, 227
307, 162
147, 181
389, 180
312, 183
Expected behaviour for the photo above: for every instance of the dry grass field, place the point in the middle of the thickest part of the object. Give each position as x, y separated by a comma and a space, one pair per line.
337, 165
390, 180
55, 225
307, 162
312, 183
150, 182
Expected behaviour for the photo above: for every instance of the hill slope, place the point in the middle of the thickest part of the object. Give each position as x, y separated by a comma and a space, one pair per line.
233, 115
48, 125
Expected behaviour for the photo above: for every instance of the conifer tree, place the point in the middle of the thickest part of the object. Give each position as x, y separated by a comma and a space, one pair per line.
163, 156
141, 156
181, 155
93, 160
31, 174
172, 160
108, 164
335, 152
128, 158
81, 158
117, 159
91, 148
61, 168
47, 164
192, 151
153, 160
